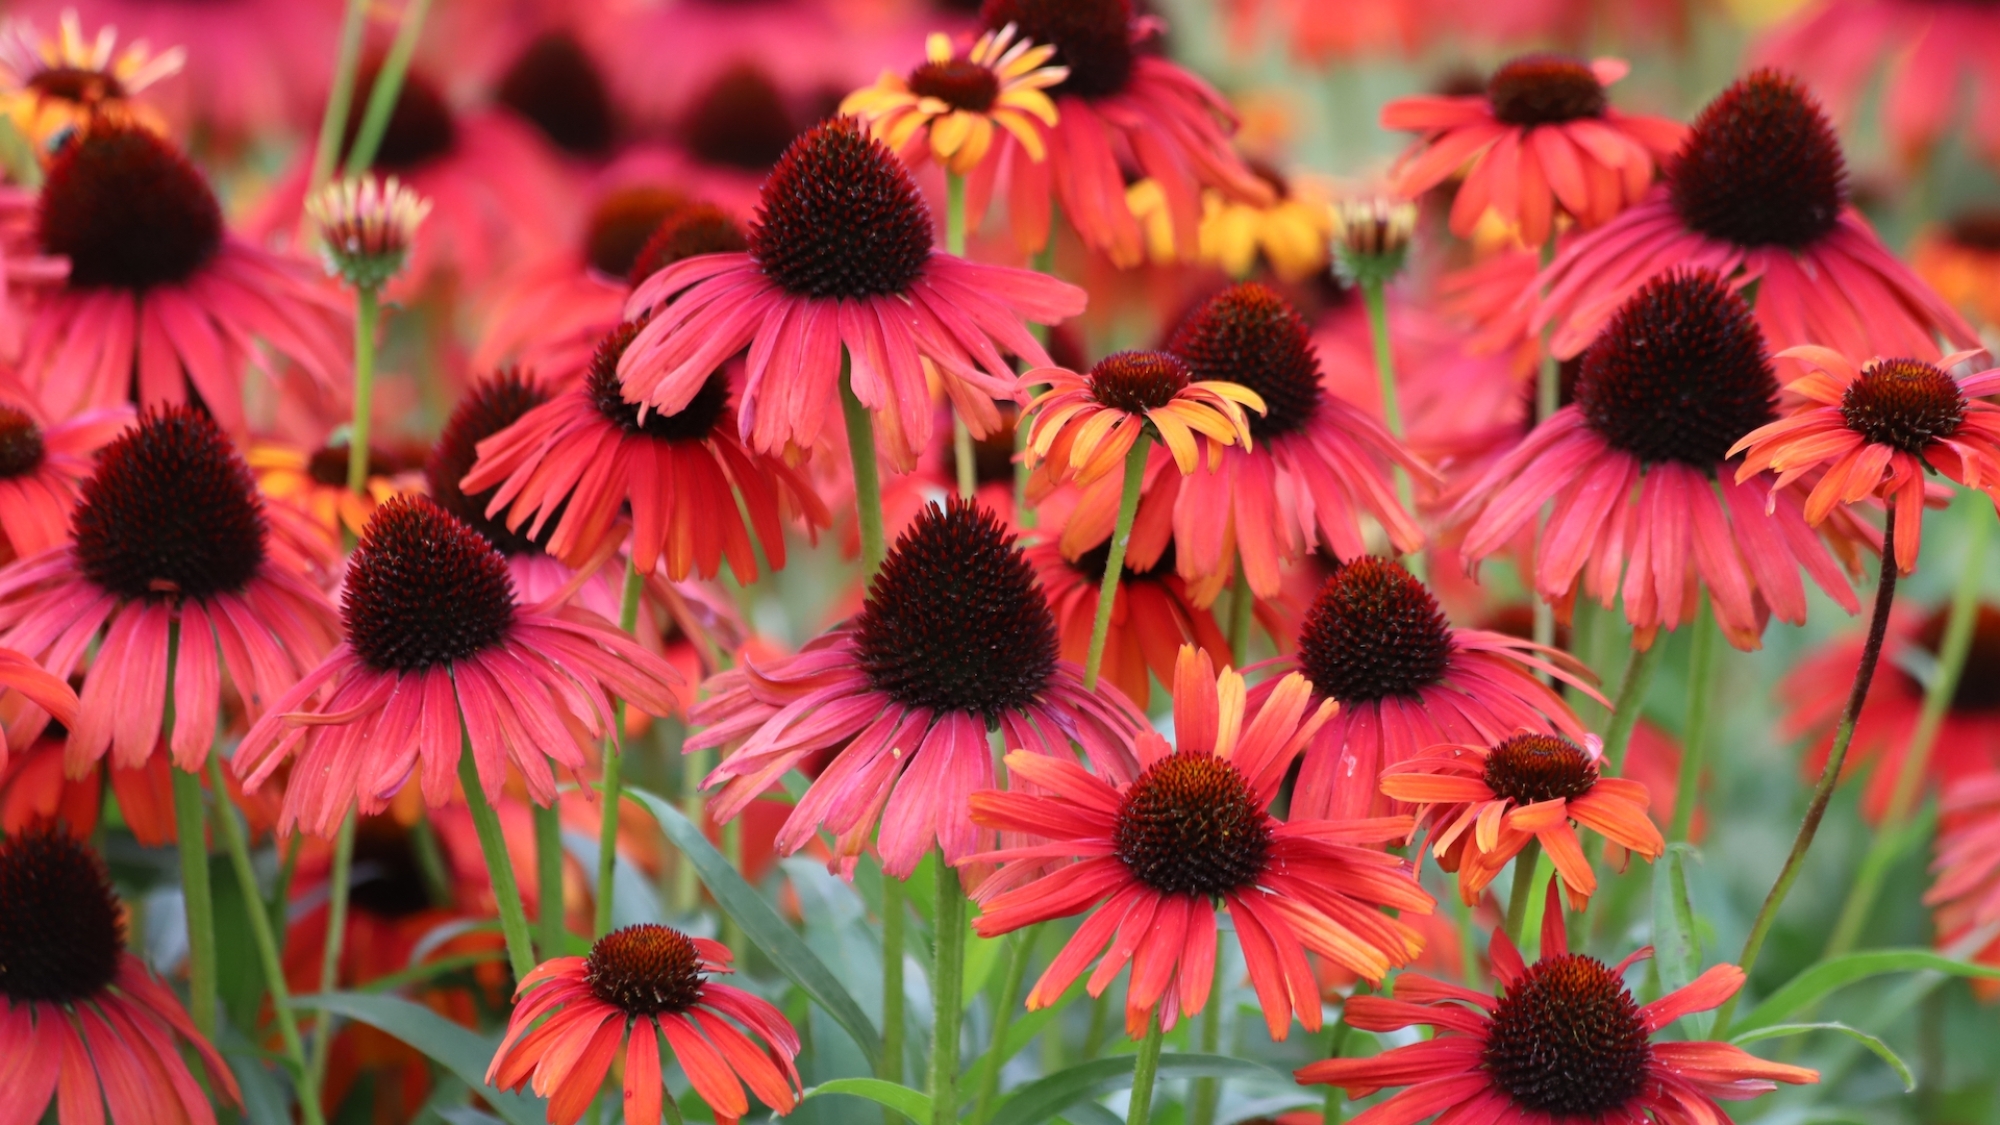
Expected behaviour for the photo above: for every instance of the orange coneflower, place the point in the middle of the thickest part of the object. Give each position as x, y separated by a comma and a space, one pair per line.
1085, 425
956, 100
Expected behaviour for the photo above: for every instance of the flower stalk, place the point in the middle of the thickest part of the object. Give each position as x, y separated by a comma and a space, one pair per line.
607, 833
1114, 563
1694, 745
947, 992
506, 890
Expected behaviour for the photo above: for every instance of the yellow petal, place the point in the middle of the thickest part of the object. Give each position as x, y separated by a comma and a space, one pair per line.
937, 47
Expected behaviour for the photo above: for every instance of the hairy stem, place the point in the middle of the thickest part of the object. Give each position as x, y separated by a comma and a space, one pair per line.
1114, 564
338, 888
1524, 890
1694, 744
506, 891
1143, 1070
548, 880
1208, 1091
1631, 701
367, 311
1020, 947
1548, 394
191, 832
947, 992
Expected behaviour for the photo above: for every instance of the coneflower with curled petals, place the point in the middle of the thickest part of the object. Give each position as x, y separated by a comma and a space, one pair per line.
1877, 429
1164, 843
1085, 425
638, 984
55, 86
956, 101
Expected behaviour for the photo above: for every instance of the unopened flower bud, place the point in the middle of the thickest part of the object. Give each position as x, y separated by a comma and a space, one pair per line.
1371, 237
367, 226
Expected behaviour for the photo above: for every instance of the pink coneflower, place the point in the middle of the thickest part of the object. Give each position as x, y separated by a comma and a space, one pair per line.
575, 464
1877, 429
1085, 425
1646, 501
1542, 136
1965, 891
1758, 194
1376, 641
53, 85
169, 538
1316, 464
435, 641
840, 260
1161, 848
1563, 1044
82, 1022
638, 984
554, 83
162, 303
1153, 616
1118, 99
1486, 804
1967, 741
1935, 56
955, 639
42, 467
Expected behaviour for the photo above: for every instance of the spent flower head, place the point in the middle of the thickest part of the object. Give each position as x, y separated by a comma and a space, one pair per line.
367, 226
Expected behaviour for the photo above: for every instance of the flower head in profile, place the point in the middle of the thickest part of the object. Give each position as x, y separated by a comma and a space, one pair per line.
1484, 804
1564, 1043
957, 100
1647, 501
1540, 141
366, 227
1376, 641
82, 1022
955, 639
637, 985
1877, 429
1757, 193
314, 481
174, 572
573, 466
1085, 425
43, 465
52, 87
1160, 849
435, 643
840, 263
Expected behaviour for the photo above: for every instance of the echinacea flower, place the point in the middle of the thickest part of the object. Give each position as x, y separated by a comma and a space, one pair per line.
1961, 260
955, 639
42, 466
435, 643
366, 227
52, 695
1484, 804
1965, 889
1153, 615
1758, 194
840, 263
1313, 463
1085, 425
575, 464
51, 87
162, 302
1375, 641
1289, 233
638, 984
83, 1022
1932, 56
1541, 140
1966, 743
1564, 1043
1647, 503
1121, 105
956, 100
314, 481
1161, 849
1877, 429
172, 559
555, 84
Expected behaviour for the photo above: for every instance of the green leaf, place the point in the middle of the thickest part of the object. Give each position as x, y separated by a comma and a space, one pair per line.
762, 925
1676, 948
902, 1099
462, 1052
1046, 1098
1881, 1049
1819, 980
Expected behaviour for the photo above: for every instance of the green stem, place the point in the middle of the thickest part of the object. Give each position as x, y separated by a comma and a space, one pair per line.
548, 879
1548, 396
1143, 1070
1114, 564
388, 88
947, 992
894, 912
1524, 890
367, 310
192, 839
867, 476
607, 833
1208, 1091
1376, 301
1952, 651
954, 244
1020, 947
1241, 601
732, 850
339, 100
1829, 777
964, 459
1630, 702
687, 885
1468, 937
1336, 1042
506, 891
338, 887
1694, 743
261, 934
